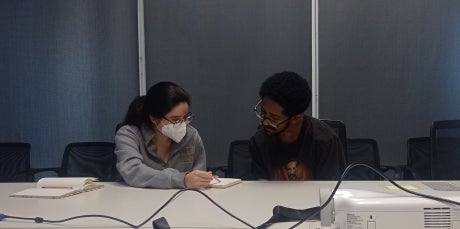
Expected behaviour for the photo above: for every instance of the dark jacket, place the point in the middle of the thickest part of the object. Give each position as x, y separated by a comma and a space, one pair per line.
320, 149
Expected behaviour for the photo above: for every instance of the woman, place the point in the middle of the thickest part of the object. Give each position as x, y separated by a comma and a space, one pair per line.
157, 147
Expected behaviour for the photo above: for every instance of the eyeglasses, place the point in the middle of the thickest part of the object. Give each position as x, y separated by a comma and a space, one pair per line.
188, 118
261, 115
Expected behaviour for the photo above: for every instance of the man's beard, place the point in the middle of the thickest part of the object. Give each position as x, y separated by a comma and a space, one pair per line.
270, 130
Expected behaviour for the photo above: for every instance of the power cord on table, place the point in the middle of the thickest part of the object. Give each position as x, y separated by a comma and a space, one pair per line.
42, 220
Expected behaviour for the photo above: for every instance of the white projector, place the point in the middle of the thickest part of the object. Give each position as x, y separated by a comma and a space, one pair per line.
380, 205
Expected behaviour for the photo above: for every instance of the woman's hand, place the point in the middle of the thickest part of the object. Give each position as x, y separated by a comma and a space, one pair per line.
197, 179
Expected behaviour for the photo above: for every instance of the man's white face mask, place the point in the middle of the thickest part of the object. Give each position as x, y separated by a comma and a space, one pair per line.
176, 133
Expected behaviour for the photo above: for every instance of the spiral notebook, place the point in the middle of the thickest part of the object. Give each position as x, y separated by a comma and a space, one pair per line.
59, 187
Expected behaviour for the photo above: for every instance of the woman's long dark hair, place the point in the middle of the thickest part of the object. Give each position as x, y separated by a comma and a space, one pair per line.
134, 114
161, 98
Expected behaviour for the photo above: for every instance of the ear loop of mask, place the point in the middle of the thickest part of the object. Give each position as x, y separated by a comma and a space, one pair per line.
155, 124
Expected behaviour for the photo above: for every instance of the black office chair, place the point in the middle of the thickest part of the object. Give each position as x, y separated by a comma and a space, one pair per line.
88, 159
365, 151
15, 162
418, 159
418, 164
94, 159
445, 150
339, 128
239, 160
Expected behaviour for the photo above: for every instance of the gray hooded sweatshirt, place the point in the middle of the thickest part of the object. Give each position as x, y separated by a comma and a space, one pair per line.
139, 165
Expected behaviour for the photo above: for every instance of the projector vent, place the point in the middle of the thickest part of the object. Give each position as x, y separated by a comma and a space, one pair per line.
437, 218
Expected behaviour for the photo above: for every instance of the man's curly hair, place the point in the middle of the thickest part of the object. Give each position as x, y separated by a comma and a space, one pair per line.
289, 90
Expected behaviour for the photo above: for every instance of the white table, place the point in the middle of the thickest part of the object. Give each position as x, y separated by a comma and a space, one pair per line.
252, 201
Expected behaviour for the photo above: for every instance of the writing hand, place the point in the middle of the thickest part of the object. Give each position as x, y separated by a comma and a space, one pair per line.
197, 179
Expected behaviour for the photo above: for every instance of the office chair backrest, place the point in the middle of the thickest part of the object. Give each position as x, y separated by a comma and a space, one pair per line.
239, 160
15, 162
89, 159
339, 128
419, 158
445, 150
363, 150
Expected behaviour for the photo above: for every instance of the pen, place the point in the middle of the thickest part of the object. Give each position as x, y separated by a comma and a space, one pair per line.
58, 187
216, 179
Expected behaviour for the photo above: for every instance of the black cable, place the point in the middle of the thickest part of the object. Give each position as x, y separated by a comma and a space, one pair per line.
380, 174
41, 220
285, 214
202, 193
223, 209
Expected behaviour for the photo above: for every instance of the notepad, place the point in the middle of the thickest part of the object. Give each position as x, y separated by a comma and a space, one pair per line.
59, 187
224, 182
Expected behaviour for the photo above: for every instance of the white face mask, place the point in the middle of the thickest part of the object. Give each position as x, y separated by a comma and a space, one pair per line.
175, 133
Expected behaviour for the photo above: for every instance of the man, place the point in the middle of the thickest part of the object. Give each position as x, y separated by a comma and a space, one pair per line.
289, 137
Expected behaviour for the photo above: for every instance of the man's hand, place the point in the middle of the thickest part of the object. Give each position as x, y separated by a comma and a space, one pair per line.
197, 179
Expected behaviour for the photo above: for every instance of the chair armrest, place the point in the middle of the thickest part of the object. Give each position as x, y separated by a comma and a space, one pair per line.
40, 170
35, 171
28, 175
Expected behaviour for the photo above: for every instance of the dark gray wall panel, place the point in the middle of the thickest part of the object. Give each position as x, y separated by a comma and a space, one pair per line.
389, 68
68, 71
221, 51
